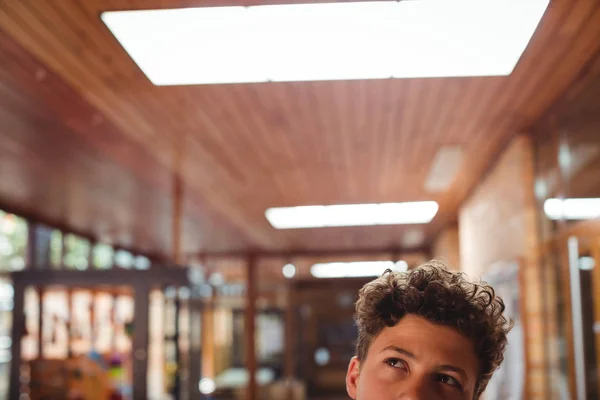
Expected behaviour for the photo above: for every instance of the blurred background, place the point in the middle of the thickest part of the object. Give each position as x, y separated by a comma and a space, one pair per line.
191, 199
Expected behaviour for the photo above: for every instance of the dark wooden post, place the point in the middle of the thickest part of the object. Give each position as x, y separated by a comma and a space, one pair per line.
140, 341
176, 342
251, 362
18, 327
41, 322
290, 339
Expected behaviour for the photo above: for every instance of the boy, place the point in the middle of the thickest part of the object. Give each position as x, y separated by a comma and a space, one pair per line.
426, 334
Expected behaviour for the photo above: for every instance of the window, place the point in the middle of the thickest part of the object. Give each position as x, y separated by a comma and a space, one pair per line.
56, 248
13, 242
103, 256
77, 252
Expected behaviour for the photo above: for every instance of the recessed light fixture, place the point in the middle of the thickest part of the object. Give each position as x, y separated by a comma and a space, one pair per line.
419, 212
327, 41
357, 269
572, 209
289, 270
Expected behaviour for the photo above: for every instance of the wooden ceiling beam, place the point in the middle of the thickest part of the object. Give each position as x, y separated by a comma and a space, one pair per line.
392, 251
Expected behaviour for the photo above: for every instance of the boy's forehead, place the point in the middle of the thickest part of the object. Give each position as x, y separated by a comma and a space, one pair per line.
420, 337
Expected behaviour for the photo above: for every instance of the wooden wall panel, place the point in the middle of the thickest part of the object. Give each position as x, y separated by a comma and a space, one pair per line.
498, 223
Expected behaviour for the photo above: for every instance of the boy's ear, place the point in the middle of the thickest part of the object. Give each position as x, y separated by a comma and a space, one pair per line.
352, 377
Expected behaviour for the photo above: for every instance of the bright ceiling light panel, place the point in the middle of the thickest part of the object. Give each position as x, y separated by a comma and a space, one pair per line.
572, 209
328, 41
418, 212
357, 269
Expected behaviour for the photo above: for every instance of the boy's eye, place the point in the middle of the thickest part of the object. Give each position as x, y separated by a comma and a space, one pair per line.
449, 380
395, 363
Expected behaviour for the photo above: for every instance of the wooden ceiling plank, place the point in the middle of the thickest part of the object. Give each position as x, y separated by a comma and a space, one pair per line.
300, 140
371, 135
344, 138
425, 148
404, 131
322, 124
374, 132
231, 129
391, 150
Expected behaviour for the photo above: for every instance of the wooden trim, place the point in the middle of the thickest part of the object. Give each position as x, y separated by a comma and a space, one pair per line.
119, 277
393, 252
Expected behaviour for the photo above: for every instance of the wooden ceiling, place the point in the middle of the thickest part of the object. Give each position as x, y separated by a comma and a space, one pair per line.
87, 141
573, 121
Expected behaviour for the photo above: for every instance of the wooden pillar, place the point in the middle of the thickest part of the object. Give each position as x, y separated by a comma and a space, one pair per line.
140, 341
41, 322
251, 362
207, 337
290, 341
71, 322
115, 322
290, 334
195, 372
176, 341
18, 329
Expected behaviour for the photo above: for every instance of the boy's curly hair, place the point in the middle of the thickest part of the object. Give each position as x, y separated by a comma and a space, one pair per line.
442, 297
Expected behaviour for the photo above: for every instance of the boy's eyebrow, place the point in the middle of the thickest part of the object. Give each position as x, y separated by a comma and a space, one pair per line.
399, 350
452, 368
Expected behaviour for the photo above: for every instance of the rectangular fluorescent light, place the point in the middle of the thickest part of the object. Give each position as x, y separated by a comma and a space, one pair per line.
357, 269
418, 212
572, 209
328, 41
444, 168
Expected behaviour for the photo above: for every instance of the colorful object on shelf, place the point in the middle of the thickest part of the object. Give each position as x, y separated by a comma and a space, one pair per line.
129, 328
74, 379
